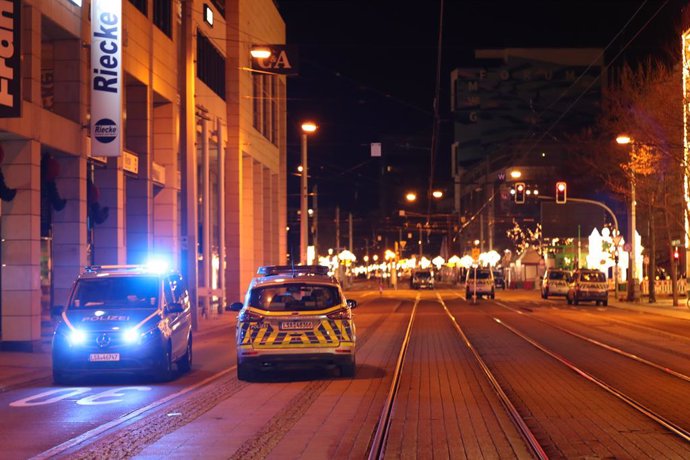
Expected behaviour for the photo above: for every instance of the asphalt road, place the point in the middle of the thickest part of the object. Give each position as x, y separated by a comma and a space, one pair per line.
585, 381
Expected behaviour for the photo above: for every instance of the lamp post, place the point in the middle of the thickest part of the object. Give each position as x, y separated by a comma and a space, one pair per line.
308, 127
624, 139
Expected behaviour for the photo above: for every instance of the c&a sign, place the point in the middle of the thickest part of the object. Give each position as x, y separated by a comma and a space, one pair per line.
10, 49
284, 60
106, 78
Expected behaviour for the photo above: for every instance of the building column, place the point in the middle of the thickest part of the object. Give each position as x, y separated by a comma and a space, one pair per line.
278, 227
233, 211
69, 227
109, 237
259, 202
21, 246
269, 211
247, 231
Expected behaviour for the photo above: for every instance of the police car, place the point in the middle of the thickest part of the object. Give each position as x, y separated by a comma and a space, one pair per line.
479, 282
123, 319
294, 317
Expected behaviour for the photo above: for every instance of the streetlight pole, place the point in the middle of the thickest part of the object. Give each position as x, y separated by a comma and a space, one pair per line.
307, 127
624, 139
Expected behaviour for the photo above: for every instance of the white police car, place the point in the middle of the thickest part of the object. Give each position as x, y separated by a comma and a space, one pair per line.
294, 317
123, 319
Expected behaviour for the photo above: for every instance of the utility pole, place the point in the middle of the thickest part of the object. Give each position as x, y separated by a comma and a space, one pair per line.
316, 223
337, 228
350, 229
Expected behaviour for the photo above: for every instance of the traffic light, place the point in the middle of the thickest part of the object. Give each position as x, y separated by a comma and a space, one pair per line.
561, 192
676, 255
520, 192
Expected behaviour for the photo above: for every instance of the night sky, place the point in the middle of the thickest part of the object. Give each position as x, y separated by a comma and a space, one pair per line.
368, 70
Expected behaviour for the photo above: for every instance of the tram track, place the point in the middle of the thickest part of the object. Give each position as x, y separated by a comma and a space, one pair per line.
681, 431
380, 438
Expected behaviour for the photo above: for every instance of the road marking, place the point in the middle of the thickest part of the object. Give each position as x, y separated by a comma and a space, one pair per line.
112, 396
59, 395
118, 421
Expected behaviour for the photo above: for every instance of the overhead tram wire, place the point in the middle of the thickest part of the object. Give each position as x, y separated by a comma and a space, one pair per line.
437, 116
596, 79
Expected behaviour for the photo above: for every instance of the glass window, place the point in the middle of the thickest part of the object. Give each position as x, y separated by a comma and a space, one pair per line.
556, 275
117, 291
162, 16
294, 297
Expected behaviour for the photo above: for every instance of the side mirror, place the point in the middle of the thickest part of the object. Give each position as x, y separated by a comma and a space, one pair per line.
351, 303
57, 310
237, 306
175, 308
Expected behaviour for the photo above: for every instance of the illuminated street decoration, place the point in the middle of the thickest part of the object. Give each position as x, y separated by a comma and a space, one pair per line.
106, 78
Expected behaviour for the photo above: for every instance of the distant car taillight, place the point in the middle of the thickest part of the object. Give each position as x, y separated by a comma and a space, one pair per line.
343, 313
250, 316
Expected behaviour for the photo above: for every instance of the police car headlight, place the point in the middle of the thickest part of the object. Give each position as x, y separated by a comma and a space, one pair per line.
77, 337
131, 335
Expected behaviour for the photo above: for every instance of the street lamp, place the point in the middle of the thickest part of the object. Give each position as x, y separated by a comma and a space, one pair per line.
624, 139
411, 197
308, 127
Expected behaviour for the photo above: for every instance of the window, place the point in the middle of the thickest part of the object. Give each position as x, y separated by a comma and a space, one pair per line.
220, 6
265, 95
210, 65
162, 16
140, 5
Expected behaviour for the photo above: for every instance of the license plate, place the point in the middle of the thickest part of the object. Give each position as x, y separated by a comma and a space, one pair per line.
99, 357
296, 325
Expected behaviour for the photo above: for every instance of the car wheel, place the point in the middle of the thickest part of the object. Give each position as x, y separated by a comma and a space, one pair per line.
568, 299
348, 370
467, 295
59, 377
245, 373
185, 363
165, 373
596, 302
493, 295
605, 302
546, 294
576, 301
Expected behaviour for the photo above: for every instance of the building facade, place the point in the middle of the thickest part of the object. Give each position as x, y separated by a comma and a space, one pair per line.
200, 179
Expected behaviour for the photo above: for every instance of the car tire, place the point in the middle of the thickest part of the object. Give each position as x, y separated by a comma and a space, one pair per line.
605, 302
245, 373
184, 364
349, 369
59, 377
545, 294
568, 299
467, 295
493, 295
165, 372
576, 301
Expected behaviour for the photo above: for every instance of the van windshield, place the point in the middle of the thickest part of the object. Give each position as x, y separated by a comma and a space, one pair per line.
556, 275
294, 297
593, 277
117, 291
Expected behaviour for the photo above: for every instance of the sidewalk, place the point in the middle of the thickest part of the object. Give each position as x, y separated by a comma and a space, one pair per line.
20, 368
662, 306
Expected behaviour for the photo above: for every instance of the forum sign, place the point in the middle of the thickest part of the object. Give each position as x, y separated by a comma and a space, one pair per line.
106, 78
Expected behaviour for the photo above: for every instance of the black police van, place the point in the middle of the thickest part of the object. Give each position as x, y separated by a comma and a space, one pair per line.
123, 319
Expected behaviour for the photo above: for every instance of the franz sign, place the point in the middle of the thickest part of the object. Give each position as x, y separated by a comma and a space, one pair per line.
106, 78
10, 50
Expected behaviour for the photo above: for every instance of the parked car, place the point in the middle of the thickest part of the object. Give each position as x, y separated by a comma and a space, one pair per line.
123, 319
480, 282
294, 317
499, 279
588, 285
555, 282
422, 279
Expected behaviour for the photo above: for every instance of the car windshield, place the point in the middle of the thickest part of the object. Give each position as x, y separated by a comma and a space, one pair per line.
294, 297
593, 276
117, 291
423, 275
481, 275
556, 275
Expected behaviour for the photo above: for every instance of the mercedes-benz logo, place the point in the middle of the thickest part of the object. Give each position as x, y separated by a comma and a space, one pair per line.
103, 340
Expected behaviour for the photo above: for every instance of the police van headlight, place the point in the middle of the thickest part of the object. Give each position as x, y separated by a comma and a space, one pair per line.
132, 335
76, 337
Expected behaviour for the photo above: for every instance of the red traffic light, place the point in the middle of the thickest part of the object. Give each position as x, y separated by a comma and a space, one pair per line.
520, 192
561, 192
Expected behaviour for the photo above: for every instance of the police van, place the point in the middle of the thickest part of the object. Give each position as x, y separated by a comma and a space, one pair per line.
123, 319
294, 317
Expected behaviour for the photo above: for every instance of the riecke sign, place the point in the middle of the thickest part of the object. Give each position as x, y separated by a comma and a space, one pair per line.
106, 78
10, 50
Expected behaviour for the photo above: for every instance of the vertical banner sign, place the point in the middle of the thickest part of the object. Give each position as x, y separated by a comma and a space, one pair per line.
106, 78
10, 49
